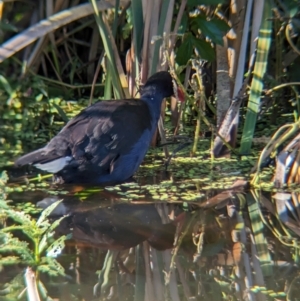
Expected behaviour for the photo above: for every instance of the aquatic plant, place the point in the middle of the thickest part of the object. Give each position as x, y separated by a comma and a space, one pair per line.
28, 243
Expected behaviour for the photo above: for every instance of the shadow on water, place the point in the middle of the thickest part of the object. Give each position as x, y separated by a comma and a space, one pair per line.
232, 244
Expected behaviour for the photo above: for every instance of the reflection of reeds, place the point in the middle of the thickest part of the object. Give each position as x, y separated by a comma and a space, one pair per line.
217, 254
103, 283
246, 249
261, 258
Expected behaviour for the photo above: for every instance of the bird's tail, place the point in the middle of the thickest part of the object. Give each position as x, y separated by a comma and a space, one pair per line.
32, 158
44, 160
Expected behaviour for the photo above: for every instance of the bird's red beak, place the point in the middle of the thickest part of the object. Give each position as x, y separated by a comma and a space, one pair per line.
180, 95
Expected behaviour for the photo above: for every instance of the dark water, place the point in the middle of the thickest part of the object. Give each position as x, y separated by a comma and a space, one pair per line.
229, 245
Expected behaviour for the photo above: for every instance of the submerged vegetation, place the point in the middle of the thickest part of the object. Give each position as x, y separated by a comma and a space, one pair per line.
188, 228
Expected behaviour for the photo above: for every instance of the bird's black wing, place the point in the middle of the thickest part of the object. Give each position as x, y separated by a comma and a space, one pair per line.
94, 139
102, 132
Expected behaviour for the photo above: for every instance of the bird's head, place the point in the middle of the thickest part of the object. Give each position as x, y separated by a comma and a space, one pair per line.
164, 84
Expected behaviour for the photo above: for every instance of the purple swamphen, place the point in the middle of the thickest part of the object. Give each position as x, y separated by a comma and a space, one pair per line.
106, 142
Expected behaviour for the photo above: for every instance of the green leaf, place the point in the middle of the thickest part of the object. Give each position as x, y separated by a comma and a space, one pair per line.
14, 245
56, 248
185, 50
221, 24
183, 25
205, 50
49, 234
6, 85
21, 218
51, 266
61, 112
291, 7
3, 176
45, 241
213, 29
46, 213
10, 260
8, 27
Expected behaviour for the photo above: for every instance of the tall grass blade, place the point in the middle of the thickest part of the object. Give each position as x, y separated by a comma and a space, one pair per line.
138, 24
108, 81
106, 39
137, 38
117, 59
260, 67
107, 85
115, 24
160, 32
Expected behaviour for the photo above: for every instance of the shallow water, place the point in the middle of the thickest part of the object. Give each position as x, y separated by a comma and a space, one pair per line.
231, 244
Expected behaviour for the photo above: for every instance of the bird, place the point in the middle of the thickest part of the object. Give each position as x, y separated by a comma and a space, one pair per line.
107, 141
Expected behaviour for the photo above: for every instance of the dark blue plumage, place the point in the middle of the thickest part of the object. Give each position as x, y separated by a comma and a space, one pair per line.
107, 141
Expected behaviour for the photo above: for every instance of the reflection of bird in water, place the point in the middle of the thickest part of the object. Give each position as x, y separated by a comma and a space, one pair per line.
115, 227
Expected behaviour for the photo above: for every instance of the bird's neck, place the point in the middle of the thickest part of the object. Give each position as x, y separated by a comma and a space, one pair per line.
153, 99
154, 104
